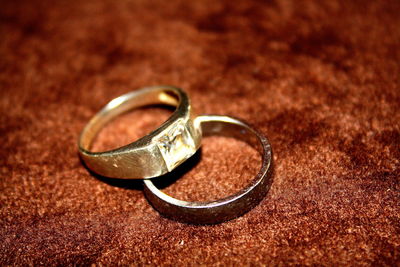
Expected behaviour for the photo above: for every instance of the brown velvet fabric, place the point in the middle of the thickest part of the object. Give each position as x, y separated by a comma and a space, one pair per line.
320, 78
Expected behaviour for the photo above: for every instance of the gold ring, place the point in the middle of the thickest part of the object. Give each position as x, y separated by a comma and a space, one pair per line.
153, 155
231, 206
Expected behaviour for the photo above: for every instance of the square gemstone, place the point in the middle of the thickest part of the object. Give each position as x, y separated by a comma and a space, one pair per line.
176, 146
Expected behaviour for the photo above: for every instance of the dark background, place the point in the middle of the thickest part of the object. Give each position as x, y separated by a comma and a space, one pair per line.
320, 78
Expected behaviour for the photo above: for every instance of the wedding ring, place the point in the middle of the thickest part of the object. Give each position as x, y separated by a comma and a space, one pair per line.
231, 206
153, 155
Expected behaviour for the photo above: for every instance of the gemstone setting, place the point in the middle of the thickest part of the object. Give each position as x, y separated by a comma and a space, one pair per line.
176, 146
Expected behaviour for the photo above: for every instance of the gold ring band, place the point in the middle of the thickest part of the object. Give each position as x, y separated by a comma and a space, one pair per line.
153, 155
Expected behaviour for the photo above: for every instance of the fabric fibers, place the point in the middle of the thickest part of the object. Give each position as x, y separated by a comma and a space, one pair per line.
321, 79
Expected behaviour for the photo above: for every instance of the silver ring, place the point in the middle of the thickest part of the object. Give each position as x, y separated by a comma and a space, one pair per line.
231, 206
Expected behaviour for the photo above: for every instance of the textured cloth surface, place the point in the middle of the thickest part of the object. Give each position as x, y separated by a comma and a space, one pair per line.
320, 78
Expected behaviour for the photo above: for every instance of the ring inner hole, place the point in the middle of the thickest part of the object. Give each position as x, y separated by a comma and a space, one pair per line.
223, 167
130, 126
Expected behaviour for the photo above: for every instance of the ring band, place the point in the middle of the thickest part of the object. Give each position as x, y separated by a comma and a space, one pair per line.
153, 155
229, 207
